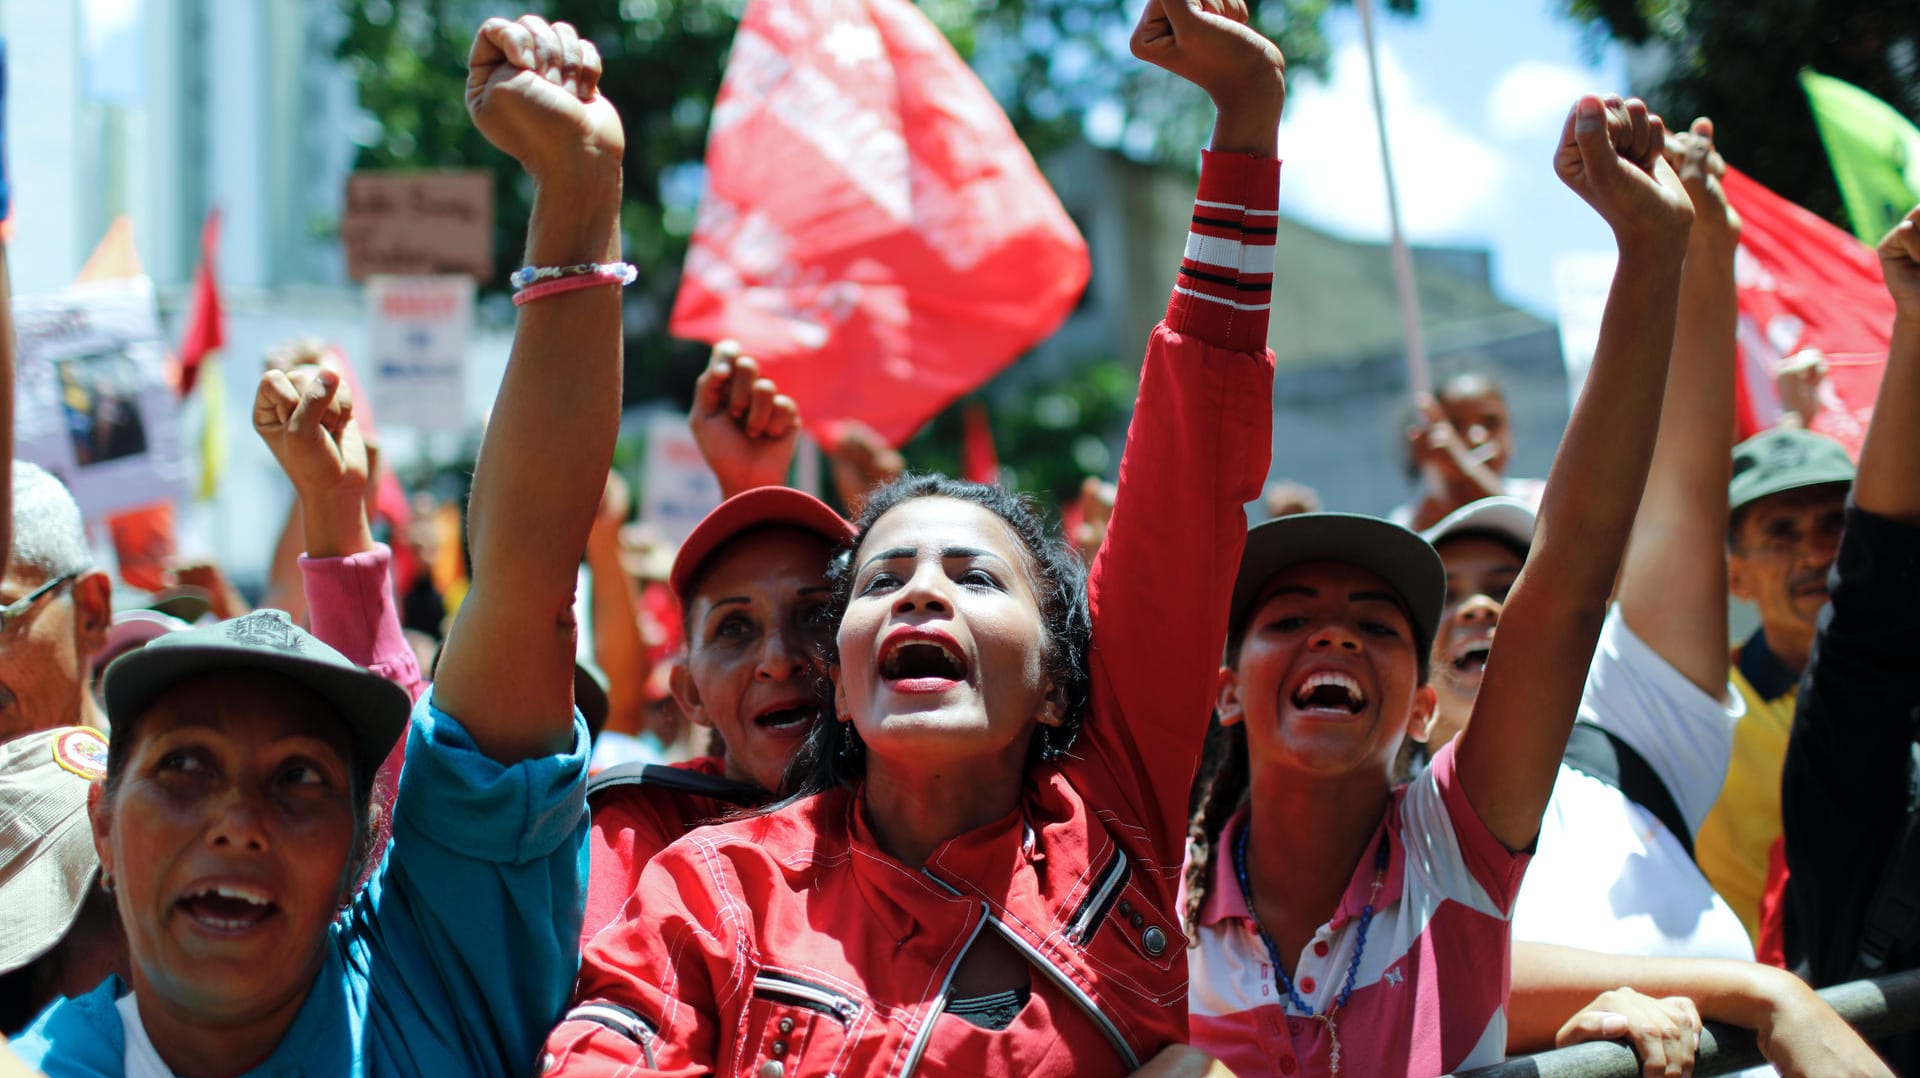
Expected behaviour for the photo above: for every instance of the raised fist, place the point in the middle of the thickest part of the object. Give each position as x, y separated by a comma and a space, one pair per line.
533, 88
1208, 43
744, 425
1611, 155
1701, 170
306, 418
1900, 261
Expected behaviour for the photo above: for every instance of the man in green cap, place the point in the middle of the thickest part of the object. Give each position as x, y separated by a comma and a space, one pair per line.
1787, 501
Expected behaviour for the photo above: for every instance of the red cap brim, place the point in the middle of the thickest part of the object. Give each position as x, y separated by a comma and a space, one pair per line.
761, 507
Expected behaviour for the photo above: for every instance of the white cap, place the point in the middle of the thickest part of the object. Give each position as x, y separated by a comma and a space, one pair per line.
1501, 516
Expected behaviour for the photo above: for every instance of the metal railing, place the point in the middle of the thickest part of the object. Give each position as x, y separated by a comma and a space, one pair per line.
1877, 1008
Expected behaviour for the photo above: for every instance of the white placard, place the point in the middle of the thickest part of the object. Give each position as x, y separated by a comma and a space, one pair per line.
94, 402
1580, 284
418, 330
679, 489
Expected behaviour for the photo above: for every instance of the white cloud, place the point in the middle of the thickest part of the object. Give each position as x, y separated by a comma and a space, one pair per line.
1531, 98
1447, 175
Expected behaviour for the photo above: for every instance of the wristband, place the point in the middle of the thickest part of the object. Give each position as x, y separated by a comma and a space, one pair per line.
614, 273
528, 275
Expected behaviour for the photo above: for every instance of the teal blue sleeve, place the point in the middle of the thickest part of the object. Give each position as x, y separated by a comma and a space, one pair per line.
464, 944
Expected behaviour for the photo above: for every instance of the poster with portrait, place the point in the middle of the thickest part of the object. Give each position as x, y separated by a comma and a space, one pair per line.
94, 401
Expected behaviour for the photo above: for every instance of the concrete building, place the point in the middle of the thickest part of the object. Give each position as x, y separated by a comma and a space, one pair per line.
1340, 391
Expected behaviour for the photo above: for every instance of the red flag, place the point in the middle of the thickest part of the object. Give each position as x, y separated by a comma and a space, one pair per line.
978, 461
206, 323
1805, 284
872, 230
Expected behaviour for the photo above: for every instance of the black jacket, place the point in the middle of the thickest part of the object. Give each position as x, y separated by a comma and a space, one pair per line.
1847, 786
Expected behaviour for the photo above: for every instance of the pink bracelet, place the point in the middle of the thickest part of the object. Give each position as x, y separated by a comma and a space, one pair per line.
622, 274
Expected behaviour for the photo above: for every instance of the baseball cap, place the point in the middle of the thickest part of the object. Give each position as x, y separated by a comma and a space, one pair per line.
1782, 459
374, 709
47, 860
135, 629
1404, 560
1506, 518
183, 601
760, 507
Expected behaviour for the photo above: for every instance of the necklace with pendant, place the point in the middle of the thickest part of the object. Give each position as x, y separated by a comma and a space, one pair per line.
1327, 1017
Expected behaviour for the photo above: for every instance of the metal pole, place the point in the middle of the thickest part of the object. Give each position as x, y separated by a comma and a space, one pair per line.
1418, 380
1876, 1008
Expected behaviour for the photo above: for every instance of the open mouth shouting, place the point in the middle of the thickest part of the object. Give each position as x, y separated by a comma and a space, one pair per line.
788, 716
227, 908
916, 660
1472, 658
1329, 692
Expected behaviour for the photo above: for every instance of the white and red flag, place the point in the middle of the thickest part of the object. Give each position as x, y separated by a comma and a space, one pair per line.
1802, 284
872, 229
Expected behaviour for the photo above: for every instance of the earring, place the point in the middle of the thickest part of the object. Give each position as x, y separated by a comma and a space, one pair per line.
1048, 750
850, 744
106, 881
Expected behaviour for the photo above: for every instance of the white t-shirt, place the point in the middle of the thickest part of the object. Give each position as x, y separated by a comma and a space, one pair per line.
142, 1060
1608, 875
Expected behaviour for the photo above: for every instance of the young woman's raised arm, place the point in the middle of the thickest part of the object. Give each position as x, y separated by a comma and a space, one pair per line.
1198, 445
507, 669
1610, 155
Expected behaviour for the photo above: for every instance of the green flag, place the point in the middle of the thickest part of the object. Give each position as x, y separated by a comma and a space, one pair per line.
1875, 153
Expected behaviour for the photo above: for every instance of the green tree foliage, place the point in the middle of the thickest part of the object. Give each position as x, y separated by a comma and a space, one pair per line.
1735, 60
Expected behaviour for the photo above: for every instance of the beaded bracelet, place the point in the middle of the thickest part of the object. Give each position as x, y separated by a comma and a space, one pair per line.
527, 275
619, 273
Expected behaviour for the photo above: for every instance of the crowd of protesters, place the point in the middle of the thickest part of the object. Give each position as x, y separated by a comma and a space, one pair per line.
927, 788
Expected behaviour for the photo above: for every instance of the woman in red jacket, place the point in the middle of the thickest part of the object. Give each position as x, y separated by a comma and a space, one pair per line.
983, 880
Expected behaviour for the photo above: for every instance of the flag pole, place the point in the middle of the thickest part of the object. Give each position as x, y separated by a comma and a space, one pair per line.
1418, 380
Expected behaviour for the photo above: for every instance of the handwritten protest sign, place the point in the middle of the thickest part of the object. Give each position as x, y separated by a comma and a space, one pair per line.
418, 329
677, 487
93, 400
419, 223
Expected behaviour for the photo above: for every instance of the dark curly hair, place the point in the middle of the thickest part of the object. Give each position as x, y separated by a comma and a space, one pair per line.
833, 754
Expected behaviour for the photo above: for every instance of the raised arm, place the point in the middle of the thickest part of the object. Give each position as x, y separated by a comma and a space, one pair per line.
1673, 588
1844, 785
1888, 484
1610, 155
305, 417
507, 669
1197, 447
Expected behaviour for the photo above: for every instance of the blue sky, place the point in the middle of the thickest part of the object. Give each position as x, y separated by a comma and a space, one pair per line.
1476, 91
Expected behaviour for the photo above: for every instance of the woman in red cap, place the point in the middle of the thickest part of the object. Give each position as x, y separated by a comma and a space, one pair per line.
752, 585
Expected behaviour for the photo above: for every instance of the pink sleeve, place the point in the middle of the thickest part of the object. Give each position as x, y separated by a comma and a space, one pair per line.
1496, 869
1196, 451
350, 601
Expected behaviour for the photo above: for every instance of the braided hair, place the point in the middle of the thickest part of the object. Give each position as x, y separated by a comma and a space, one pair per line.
1218, 792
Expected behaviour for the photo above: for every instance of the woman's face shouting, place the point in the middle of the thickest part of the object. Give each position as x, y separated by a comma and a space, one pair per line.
942, 652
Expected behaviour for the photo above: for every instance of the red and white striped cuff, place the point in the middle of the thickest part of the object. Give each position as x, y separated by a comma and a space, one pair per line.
1225, 287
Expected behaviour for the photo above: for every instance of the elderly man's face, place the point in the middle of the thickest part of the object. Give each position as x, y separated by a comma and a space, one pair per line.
45, 651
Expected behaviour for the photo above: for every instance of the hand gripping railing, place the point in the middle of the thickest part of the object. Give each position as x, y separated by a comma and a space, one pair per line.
1877, 1008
